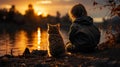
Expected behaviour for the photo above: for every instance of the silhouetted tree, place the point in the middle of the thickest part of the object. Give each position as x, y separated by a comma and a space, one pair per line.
58, 17
30, 17
117, 10
30, 12
3, 14
11, 13
110, 4
51, 19
65, 22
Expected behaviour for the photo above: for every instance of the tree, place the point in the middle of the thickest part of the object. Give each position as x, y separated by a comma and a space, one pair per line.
30, 16
11, 13
30, 12
58, 17
117, 10
3, 14
112, 5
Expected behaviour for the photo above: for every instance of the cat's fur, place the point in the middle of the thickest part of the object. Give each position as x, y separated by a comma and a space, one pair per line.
56, 46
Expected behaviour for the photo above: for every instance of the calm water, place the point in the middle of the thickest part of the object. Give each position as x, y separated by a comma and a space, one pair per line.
37, 40
21, 40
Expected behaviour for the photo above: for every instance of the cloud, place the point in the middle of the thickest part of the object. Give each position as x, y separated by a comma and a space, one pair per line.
68, 0
52, 6
5, 6
44, 2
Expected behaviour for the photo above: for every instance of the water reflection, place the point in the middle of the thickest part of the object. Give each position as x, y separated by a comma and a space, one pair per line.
4, 44
39, 38
16, 43
44, 40
21, 40
36, 40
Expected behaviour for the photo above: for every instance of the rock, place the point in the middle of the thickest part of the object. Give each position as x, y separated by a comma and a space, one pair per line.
23, 65
42, 65
100, 63
5, 62
112, 64
118, 64
26, 53
5, 59
39, 52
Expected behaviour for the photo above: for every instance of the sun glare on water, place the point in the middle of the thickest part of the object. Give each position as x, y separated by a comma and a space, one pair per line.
39, 38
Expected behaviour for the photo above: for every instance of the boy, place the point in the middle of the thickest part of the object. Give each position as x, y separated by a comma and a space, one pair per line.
84, 35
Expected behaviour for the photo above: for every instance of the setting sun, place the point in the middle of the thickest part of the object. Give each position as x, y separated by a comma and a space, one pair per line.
42, 13
39, 13
45, 14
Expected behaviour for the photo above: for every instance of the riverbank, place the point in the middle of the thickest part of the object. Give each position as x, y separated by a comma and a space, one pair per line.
105, 58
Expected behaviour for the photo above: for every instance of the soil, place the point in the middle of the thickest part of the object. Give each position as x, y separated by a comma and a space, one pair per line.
102, 58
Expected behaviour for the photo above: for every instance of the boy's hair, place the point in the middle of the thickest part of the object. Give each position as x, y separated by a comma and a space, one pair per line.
78, 11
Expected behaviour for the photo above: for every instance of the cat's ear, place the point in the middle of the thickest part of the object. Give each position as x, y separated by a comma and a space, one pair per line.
48, 24
58, 25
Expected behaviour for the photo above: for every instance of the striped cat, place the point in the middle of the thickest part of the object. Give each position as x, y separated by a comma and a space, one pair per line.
56, 46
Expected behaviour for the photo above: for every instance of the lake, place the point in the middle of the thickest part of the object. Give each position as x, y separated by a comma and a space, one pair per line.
37, 40
17, 42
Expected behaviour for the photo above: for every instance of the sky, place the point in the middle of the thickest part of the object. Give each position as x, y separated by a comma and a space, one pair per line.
51, 6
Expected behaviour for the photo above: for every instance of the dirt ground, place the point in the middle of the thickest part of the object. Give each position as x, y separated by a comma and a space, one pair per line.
104, 58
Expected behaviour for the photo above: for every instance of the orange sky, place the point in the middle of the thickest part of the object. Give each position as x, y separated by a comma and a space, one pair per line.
51, 6
48, 6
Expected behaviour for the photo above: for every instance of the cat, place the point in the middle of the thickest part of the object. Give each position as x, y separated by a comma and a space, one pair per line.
56, 47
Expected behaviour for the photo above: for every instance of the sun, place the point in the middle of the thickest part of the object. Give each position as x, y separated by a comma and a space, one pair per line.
44, 14
39, 13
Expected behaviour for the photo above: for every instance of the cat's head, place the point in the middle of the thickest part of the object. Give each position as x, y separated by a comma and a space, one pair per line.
53, 29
